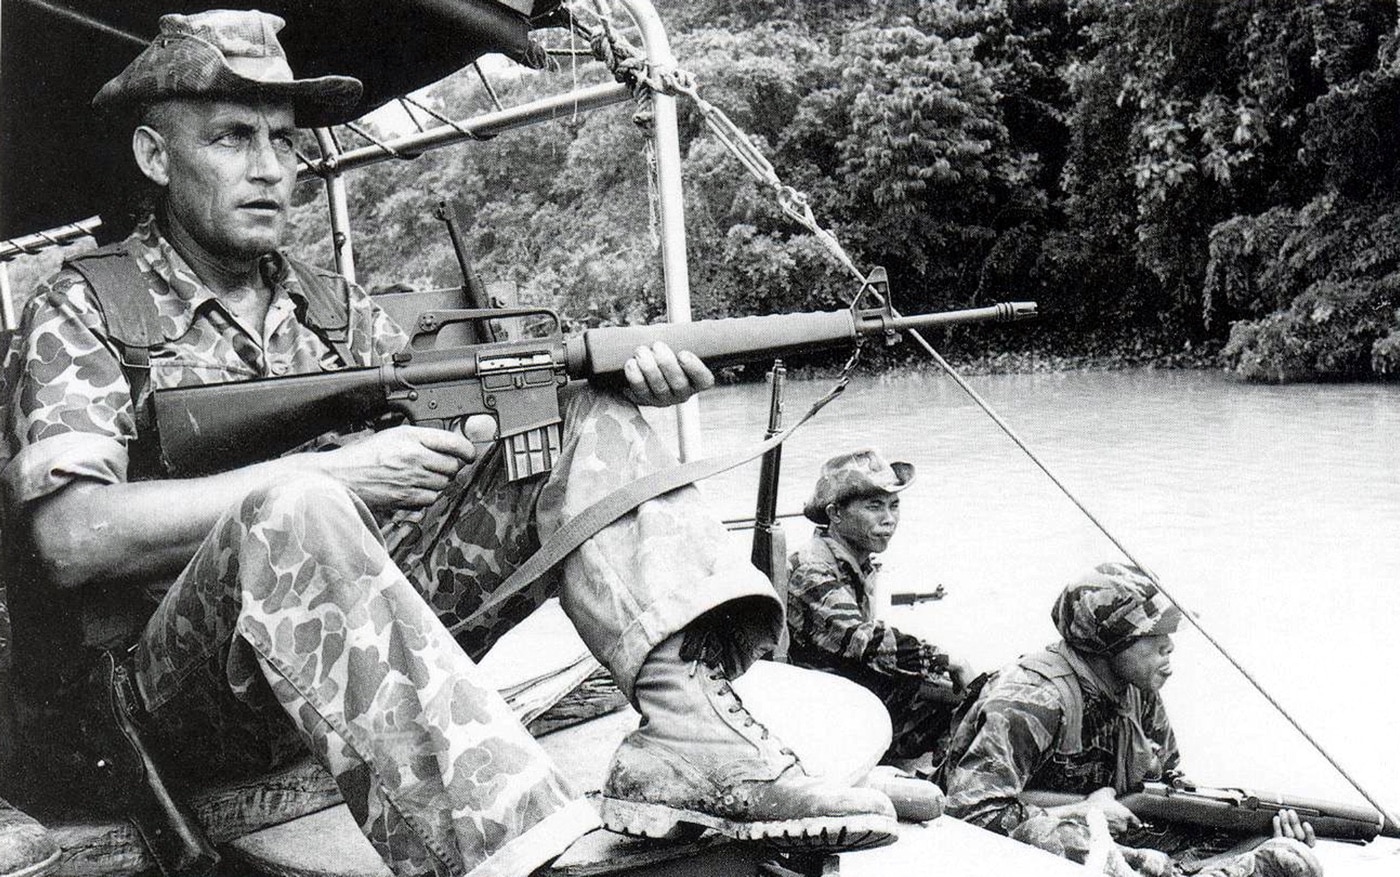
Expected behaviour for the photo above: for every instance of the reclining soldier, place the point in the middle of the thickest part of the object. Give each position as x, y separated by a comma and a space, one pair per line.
301, 603
1083, 716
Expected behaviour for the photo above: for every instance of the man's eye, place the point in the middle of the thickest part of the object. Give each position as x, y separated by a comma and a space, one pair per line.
283, 143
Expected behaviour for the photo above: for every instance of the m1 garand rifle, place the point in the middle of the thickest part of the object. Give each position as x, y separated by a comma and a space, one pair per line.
1238, 811
769, 544
209, 428
769, 553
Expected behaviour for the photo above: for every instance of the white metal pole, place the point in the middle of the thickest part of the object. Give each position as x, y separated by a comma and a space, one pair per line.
339, 204
666, 140
8, 322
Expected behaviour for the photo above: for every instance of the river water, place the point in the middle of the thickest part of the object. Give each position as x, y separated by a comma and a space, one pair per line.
1271, 512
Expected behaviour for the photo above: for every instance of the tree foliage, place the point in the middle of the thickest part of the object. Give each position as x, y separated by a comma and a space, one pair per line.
1217, 175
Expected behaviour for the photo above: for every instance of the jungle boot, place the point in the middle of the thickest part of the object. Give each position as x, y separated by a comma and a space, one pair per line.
700, 760
26, 848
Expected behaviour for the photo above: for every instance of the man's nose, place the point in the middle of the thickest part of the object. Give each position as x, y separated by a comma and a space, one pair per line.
264, 161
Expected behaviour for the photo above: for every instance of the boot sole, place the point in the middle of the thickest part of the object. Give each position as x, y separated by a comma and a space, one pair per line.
815, 834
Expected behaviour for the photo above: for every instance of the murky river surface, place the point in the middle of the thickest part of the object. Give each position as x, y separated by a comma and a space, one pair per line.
1273, 512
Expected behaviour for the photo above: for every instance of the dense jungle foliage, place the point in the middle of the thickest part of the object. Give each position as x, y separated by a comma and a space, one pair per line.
1195, 181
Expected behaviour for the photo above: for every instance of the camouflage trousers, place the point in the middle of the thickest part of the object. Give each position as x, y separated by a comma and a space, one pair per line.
301, 622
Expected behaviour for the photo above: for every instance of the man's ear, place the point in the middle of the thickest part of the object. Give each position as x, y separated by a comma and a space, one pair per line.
152, 155
833, 512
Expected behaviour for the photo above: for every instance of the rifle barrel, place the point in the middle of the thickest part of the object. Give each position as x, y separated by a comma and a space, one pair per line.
598, 352
1001, 312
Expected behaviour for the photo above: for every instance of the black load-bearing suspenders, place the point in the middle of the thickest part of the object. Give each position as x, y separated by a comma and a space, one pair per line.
133, 324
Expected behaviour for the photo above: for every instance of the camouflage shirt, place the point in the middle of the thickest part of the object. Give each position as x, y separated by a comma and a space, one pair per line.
1010, 740
67, 416
831, 623
66, 412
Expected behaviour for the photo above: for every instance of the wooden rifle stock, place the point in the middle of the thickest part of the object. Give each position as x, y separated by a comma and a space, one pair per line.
769, 552
1237, 810
765, 525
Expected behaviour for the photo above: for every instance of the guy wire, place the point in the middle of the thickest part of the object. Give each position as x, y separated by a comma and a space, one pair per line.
1188, 615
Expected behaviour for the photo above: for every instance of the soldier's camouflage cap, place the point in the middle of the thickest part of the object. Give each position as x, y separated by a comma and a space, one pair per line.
858, 473
1105, 610
228, 53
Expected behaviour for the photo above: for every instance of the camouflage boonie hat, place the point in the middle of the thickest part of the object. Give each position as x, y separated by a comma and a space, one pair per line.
228, 53
858, 473
1103, 612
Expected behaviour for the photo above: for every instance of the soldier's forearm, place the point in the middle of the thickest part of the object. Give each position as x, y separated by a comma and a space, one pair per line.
89, 532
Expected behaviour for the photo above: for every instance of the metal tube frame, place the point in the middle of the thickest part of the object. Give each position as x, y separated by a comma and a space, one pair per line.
665, 141
338, 202
477, 128
55, 237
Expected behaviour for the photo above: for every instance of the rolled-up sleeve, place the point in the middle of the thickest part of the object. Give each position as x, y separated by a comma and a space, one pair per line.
67, 409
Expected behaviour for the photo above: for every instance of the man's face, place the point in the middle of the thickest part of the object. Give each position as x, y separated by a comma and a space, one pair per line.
1147, 663
867, 523
230, 169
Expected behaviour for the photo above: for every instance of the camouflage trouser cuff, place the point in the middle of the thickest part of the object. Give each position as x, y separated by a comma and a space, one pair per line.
542, 842
672, 610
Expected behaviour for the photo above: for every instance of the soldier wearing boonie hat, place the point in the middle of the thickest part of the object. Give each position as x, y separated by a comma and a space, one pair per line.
831, 614
228, 53
1083, 716
202, 293
858, 473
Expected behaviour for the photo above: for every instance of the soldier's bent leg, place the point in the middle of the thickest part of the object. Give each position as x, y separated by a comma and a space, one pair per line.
291, 617
629, 587
631, 590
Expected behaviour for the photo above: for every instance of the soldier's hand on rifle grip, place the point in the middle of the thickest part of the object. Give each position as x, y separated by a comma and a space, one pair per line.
659, 377
404, 467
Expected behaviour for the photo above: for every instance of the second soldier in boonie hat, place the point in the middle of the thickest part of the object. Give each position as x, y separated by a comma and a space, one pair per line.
857, 473
228, 53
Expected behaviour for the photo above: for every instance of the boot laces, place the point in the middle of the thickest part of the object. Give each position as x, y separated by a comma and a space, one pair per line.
736, 707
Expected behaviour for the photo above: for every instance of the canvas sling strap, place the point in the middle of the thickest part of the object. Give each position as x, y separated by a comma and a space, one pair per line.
562, 542
1135, 753
1053, 666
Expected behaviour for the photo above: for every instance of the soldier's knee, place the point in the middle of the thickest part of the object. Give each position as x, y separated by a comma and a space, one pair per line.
303, 495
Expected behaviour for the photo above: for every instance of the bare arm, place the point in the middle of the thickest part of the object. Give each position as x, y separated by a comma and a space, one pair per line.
90, 532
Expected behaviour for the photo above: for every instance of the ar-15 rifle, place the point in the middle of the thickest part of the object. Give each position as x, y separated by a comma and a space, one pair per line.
219, 426
1238, 811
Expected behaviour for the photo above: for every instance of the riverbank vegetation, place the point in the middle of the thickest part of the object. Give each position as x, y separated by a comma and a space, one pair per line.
1192, 181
